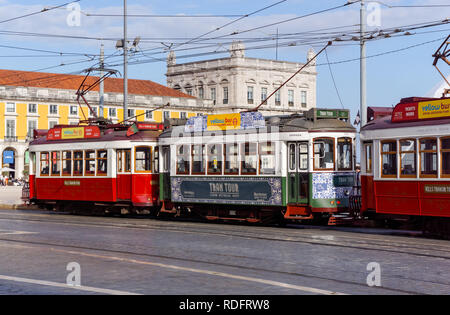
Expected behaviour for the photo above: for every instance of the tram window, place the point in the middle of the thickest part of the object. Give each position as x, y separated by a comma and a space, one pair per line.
292, 157
155, 166
78, 163
127, 160
183, 159
324, 154
231, 159
67, 163
120, 155
56, 163
45, 163
89, 163
102, 162
198, 159
166, 159
344, 148
143, 159
408, 158
428, 157
389, 158
368, 152
267, 158
249, 158
303, 157
215, 159
445, 157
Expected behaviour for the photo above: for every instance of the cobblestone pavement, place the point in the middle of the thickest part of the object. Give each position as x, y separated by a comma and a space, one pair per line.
157, 257
10, 195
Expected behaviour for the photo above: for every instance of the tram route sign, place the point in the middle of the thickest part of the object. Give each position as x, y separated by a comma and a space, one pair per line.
245, 191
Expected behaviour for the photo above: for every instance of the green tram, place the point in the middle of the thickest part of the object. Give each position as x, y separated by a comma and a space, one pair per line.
259, 169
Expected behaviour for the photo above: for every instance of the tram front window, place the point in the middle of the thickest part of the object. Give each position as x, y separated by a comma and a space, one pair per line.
324, 154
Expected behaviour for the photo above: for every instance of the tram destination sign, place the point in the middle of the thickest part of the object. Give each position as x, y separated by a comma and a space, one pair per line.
217, 190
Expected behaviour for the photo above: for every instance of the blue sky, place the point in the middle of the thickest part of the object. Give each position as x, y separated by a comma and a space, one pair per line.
390, 77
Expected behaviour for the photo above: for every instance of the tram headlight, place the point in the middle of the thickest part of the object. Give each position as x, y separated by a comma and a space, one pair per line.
347, 192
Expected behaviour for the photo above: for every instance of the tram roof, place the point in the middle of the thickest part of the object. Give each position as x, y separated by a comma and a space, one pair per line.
414, 112
308, 122
106, 135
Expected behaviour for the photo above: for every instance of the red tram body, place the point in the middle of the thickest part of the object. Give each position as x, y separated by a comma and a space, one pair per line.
113, 168
405, 161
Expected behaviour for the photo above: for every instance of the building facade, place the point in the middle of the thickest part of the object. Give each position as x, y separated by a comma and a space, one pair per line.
30, 100
240, 83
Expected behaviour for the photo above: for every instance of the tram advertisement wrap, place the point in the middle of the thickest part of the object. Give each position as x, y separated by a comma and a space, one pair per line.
245, 191
434, 109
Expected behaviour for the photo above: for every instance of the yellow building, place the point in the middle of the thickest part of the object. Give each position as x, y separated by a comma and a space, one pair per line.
33, 100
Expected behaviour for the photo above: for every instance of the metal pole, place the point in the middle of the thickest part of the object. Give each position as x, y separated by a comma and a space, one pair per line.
125, 63
102, 88
363, 67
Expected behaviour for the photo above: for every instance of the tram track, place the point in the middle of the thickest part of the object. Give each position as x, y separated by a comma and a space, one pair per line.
112, 254
360, 241
303, 236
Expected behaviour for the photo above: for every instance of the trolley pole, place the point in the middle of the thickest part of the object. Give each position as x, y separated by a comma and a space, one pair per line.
102, 86
363, 83
125, 63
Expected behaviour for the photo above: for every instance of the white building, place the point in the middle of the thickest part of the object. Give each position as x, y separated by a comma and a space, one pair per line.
240, 83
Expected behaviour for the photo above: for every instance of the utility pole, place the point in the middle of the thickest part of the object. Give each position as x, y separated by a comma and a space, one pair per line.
125, 63
363, 100
102, 86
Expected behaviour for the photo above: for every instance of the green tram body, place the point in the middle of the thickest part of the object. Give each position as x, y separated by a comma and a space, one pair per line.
296, 167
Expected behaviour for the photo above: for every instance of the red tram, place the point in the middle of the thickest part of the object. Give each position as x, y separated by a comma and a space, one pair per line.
109, 168
405, 163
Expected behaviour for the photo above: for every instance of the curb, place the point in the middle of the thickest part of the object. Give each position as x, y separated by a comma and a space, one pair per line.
17, 207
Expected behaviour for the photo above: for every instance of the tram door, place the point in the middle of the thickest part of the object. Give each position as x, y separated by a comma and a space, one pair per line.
298, 176
124, 174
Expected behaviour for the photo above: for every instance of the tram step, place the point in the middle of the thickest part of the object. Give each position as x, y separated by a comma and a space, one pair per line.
342, 220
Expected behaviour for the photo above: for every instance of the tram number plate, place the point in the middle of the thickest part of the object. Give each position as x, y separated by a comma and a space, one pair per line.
343, 181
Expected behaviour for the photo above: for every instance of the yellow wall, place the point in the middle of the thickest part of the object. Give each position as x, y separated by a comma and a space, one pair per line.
2, 120
21, 121
42, 116
43, 113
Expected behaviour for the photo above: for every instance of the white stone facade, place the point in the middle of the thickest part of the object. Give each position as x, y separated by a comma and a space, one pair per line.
240, 83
